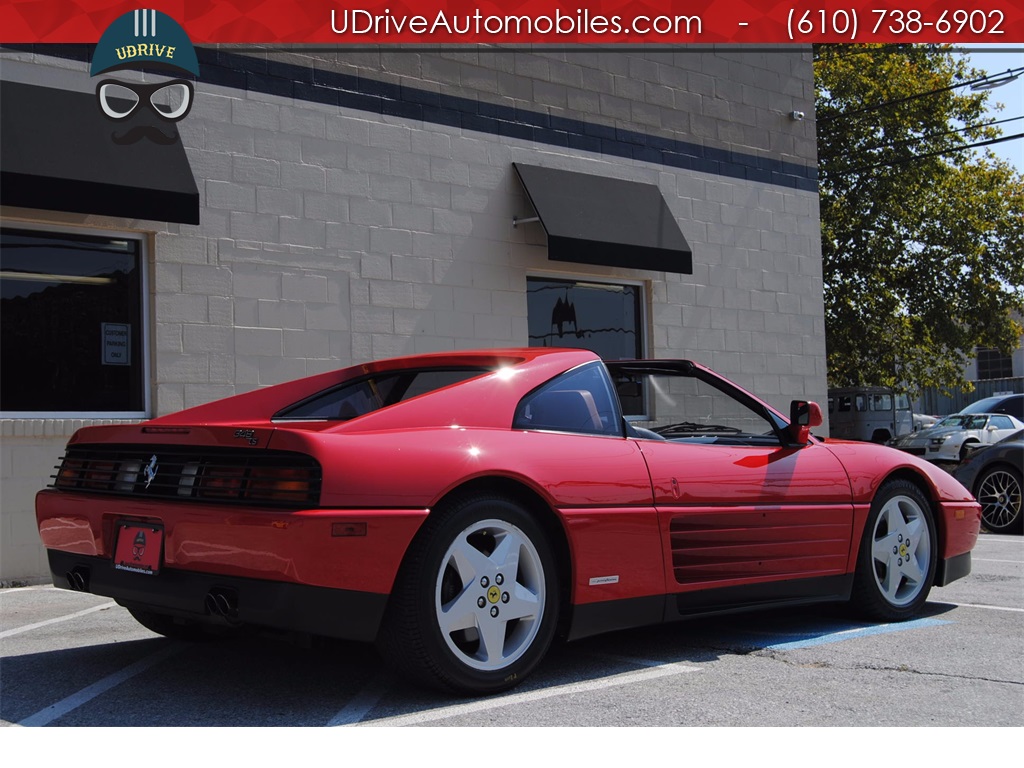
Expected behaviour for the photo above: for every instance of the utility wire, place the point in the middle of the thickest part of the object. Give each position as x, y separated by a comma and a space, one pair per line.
949, 151
930, 136
874, 108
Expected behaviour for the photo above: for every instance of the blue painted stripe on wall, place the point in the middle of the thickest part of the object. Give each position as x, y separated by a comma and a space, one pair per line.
234, 70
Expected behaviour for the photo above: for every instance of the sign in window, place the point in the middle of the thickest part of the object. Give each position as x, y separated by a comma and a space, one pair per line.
71, 319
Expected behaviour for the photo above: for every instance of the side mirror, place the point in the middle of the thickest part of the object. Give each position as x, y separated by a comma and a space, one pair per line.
803, 416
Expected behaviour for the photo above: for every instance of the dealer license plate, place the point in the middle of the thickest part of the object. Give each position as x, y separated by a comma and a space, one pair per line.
139, 548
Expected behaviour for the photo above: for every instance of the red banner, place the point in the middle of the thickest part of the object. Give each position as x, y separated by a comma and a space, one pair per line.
545, 22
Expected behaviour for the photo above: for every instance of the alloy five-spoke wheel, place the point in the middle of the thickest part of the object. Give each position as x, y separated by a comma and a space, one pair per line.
476, 601
896, 564
999, 493
490, 595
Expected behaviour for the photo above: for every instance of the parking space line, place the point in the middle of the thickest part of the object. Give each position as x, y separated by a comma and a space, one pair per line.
984, 607
58, 620
808, 641
456, 710
75, 700
989, 560
360, 705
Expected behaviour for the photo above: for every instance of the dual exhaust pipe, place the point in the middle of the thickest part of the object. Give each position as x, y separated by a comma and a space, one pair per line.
222, 602
219, 601
78, 579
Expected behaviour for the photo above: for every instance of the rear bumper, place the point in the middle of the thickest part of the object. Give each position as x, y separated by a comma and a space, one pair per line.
341, 613
949, 570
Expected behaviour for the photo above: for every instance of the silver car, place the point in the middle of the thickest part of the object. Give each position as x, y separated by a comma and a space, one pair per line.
953, 438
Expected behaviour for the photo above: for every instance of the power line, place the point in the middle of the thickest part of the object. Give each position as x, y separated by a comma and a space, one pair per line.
930, 136
937, 153
1009, 74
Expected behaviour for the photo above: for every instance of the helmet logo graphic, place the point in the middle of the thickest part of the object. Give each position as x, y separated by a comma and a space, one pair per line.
153, 40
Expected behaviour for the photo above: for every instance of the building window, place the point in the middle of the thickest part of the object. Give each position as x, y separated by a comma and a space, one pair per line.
72, 325
993, 364
606, 318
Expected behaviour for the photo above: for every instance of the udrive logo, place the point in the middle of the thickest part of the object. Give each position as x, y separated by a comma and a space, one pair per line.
152, 40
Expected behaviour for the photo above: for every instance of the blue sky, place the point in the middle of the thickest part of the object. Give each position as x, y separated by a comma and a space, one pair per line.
1011, 96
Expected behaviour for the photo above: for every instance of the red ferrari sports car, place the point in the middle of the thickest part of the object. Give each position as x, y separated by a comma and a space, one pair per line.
463, 509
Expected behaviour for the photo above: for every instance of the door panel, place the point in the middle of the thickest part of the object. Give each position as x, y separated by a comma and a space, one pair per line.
741, 514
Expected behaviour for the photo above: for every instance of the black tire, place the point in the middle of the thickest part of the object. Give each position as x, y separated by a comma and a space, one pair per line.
998, 490
169, 626
476, 601
967, 449
898, 554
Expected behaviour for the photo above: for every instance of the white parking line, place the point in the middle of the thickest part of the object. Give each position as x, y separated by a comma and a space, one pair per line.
627, 678
361, 704
58, 620
989, 560
977, 605
75, 700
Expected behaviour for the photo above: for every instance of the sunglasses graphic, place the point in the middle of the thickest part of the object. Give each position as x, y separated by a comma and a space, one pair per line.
169, 101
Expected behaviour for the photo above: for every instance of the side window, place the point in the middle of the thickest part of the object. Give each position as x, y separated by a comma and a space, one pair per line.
356, 398
1001, 422
862, 404
881, 403
845, 404
73, 316
579, 401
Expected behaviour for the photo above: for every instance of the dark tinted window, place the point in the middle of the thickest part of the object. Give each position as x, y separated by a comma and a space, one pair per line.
578, 401
993, 364
372, 393
602, 317
71, 324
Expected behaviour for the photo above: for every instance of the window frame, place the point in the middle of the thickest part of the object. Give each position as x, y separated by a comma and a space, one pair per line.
991, 364
643, 287
145, 354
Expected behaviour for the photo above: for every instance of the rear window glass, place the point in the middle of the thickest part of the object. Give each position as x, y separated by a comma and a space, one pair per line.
371, 393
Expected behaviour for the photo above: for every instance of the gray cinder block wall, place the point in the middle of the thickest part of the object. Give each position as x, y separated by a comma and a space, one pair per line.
358, 204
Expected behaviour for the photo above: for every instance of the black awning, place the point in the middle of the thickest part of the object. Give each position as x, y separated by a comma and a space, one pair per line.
56, 154
597, 220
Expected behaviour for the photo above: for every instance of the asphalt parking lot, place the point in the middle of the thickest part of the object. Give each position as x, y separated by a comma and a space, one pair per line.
68, 659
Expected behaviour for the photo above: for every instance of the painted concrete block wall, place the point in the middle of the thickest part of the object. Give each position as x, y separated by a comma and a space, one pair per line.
360, 205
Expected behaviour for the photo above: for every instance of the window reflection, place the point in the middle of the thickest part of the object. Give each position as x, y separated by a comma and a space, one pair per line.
602, 317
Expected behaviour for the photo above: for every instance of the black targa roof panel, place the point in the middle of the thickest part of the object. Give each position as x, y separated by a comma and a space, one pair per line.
599, 220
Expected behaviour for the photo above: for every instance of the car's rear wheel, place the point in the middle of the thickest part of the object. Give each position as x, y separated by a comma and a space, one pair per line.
897, 557
999, 493
475, 605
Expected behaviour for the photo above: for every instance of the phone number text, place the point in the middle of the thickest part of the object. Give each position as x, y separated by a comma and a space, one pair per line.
846, 22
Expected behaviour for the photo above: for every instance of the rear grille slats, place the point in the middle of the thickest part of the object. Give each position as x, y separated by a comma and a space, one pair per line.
273, 478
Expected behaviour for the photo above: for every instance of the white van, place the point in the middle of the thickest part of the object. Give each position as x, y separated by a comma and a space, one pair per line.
874, 414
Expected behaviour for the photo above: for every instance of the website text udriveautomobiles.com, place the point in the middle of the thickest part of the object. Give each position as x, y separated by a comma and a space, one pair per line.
477, 24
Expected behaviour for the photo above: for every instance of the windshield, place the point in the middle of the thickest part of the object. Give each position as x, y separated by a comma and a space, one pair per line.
961, 421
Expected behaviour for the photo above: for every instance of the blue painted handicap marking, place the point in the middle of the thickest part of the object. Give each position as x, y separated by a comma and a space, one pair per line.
810, 639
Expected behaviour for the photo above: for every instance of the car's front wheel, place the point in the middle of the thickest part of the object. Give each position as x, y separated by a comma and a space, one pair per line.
897, 557
475, 605
999, 493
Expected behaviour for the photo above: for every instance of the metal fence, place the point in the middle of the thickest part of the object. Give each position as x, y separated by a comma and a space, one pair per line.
937, 403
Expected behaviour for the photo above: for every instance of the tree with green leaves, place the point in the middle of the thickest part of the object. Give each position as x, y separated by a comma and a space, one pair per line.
922, 228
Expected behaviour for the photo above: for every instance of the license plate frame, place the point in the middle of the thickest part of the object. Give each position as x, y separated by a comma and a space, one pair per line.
139, 547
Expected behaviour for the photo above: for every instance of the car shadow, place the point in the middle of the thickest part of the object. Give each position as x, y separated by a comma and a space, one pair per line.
274, 681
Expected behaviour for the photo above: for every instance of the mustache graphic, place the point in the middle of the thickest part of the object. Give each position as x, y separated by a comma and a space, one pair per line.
139, 132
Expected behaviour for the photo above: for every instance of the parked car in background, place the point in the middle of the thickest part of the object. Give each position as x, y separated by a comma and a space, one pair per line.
875, 414
1010, 404
462, 509
953, 438
921, 421
993, 475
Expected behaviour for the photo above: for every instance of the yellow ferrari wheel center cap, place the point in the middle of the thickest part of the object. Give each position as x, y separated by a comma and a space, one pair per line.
494, 594
903, 550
